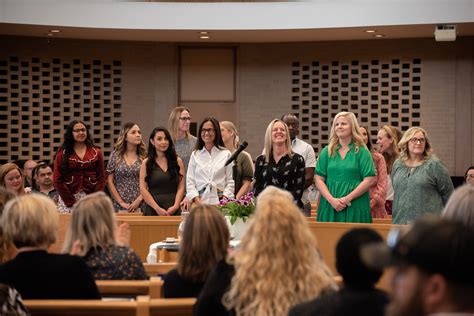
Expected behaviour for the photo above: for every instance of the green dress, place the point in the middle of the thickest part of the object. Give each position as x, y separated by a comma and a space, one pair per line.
342, 177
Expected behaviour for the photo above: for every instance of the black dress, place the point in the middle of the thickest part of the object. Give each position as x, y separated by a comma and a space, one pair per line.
40, 275
163, 187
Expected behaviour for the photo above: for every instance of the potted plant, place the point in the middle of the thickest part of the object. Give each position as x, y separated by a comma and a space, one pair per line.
237, 212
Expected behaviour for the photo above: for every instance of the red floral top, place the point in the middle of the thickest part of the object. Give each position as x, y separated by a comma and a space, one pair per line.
86, 174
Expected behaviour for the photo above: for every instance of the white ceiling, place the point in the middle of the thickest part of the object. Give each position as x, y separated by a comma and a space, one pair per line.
321, 20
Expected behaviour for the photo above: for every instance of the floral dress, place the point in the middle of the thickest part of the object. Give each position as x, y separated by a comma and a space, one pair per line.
126, 179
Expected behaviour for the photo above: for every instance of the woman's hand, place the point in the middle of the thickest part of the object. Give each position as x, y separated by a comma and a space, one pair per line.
172, 209
162, 212
185, 204
197, 200
124, 205
338, 204
134, 205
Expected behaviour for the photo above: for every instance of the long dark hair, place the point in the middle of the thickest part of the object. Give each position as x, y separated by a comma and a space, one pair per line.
369, 142
68, 143
170, 154
218, 142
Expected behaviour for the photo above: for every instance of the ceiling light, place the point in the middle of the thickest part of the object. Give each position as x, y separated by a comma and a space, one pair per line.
204, 37
370, 31
50, 34
379, 35
203, 33
54, 31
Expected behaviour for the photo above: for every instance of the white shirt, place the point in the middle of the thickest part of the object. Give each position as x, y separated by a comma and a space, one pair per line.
207, 174
304, 149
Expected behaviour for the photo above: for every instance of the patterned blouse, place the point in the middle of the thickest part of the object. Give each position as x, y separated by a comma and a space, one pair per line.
115, 263
126, 178
287, 174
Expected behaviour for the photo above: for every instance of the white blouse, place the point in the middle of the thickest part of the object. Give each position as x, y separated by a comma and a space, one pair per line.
207, 175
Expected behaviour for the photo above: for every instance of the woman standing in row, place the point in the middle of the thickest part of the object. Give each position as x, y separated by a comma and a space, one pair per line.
178, 124
278, 165
420, 181
344, 173
243, 174
387, 142
378, 191
162, 176
123, 169
208, 180
78, 166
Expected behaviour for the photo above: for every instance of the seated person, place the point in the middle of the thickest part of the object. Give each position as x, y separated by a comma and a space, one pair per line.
204, 243
358, 296
10, 302
277, 265
31, 222
93, 235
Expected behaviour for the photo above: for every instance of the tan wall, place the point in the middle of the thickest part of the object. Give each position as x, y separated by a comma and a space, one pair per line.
150, 82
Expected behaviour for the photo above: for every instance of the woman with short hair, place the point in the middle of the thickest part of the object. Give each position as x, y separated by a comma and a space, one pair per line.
179, 122
92, 234
31, 222
204, 243
421, 182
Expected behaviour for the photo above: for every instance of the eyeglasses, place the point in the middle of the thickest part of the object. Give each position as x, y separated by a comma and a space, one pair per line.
210, 131
185, 119
79, 130
470, 176
415, 140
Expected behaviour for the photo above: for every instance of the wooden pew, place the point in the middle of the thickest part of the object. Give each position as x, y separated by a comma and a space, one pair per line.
138, 307
131, 288
154, 269
172, 307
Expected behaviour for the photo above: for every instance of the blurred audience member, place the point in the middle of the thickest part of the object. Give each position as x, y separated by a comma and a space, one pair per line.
469, 175
359, 295
460, 206
28, 172
204, 243
31, 222
93, 234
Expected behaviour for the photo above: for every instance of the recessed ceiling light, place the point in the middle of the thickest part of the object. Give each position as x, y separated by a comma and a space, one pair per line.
203, 33
204, 37
54, 31
50, 34
379, 35
370, 31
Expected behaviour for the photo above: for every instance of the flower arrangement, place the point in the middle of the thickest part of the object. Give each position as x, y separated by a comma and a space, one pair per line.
238, 208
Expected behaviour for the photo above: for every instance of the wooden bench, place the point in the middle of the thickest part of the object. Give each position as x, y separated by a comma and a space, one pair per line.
154, 269
131, 288
138, 307
172, 307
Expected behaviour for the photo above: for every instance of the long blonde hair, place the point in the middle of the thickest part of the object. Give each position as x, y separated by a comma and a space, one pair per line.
357, 138
173, 123
403, 144
92, 223
268, 144
121, 143
393, 134
231, 127
278, 264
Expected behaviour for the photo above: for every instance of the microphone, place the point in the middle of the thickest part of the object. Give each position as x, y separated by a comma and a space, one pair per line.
237, 152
